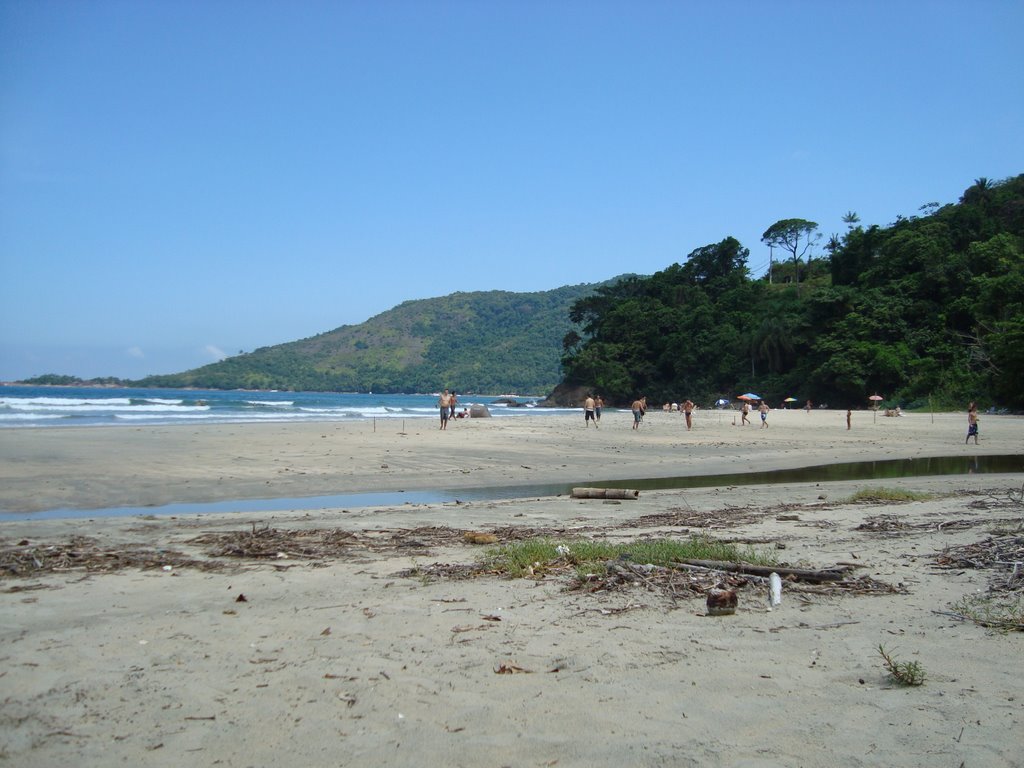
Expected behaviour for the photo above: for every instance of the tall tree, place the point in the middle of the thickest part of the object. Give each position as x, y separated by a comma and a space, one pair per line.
795, 236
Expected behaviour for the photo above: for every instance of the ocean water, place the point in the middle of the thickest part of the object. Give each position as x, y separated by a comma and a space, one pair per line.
93, 406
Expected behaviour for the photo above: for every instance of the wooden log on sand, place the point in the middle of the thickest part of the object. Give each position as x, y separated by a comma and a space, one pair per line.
605, 493
800, 574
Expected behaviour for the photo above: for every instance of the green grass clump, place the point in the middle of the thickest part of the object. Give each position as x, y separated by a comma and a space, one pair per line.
534, 556
902, 672
889, 494
1003, 613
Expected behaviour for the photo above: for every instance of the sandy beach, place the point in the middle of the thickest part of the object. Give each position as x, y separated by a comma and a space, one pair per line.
369, 636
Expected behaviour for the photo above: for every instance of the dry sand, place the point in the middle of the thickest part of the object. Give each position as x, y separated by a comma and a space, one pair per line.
349, 660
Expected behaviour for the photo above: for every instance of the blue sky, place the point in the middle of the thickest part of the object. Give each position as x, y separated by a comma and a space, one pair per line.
183, 180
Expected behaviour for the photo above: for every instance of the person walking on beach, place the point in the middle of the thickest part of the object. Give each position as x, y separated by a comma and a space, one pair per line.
972, 424
598, 405
588, 411
445, 404
451, 405
638, 408
763, 408
744, 412
849, 414
688, 411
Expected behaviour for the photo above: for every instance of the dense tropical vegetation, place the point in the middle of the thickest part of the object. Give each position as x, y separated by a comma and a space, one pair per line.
930, 308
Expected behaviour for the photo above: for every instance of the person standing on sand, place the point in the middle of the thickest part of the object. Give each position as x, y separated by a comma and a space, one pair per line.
598, 405
451, 405
849, 414
688, 411
744, 412
445, 404
638, 408
972, 424
588, 410
763, 408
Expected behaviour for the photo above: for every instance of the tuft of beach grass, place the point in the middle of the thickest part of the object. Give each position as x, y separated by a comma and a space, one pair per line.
895, 495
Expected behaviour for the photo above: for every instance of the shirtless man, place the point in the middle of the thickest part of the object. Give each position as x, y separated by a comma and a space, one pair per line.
744, 412
972, 424
688, 411
445, 404
638, 408
588, 411
763, 408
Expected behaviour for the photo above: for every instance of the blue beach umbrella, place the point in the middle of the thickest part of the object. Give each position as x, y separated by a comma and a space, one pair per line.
750, 396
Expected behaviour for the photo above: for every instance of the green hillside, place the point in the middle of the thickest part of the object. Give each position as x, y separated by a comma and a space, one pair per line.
493, 342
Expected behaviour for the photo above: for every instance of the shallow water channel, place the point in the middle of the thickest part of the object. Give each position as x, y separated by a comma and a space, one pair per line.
856, 470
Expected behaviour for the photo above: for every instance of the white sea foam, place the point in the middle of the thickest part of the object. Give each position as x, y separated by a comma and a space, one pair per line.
83, 408
29, 416
76, 401
23, 408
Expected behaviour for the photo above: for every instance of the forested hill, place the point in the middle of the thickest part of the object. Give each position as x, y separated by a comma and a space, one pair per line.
489, 342
927, 309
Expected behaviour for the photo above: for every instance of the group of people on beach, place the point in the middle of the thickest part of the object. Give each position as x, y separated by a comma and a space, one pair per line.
593, 404
762, 409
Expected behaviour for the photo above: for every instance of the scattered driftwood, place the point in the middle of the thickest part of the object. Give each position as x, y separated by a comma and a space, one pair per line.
1003, 556
805, 574
727, 517
605, 493
677, 517
893, 525
692, 580
82, 553
997, 499
267, 542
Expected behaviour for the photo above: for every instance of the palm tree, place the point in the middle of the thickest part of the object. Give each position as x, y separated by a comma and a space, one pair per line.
773, 342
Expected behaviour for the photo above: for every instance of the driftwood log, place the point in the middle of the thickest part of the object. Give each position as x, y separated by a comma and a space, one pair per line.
604, 493
801, 574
